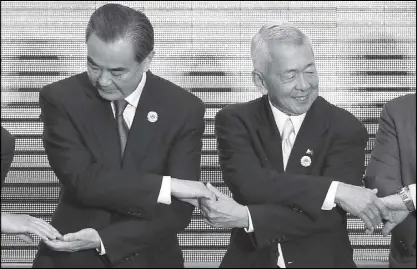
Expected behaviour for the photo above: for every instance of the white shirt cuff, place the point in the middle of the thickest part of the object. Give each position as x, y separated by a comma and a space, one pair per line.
412, 188
165, 192
329, 203
103, 250
250, 229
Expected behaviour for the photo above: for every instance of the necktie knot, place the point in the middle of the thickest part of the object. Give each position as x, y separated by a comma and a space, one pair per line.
120, 106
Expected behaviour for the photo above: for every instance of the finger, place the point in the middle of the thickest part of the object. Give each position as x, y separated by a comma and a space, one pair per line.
376, 214
48, 227
374, 219
388, 228
385, 213
70, 237
40, 231
26, 237
367, 222
194, 202
375, 191
218, 193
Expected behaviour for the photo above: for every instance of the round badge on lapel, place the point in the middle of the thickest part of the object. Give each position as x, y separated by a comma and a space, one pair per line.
305, 161
152, 116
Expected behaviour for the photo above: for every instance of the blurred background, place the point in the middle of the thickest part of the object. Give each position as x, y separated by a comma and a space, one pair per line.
365, 53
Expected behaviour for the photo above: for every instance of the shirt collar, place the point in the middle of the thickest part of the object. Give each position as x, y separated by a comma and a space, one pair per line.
133, 98
280, 119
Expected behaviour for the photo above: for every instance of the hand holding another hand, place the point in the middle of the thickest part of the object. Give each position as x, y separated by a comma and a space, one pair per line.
362, 203
397, 210
190, 191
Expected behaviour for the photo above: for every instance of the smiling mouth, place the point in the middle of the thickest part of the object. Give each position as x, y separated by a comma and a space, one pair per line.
301, 98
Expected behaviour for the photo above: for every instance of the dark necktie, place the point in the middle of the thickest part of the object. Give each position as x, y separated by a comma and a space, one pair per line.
122, 127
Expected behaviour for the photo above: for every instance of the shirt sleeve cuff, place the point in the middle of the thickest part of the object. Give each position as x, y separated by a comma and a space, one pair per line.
329, 203
412, 188
250, 229
103, 250
165, 192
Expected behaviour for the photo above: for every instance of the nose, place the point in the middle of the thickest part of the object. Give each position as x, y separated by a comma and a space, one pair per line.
302, 83
104, 79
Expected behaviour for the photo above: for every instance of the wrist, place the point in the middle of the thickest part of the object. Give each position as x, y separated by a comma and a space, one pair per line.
244, 217
339, 191
405, 195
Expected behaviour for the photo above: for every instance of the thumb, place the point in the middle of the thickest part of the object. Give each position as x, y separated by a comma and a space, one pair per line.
388, 228
26, 237
70, 237
215, 191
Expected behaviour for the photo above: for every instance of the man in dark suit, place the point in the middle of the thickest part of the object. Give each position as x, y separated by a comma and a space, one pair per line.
21, 225
121, 141
392, 169
290, 157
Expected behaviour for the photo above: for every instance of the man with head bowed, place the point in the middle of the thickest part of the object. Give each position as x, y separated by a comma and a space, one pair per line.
125, 145
293, 162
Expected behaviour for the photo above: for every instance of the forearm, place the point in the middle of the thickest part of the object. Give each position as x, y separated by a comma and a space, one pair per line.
95, 187
275, 223
134, 235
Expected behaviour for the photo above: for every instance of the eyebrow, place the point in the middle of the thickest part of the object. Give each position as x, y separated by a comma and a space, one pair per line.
111, 69
295, 70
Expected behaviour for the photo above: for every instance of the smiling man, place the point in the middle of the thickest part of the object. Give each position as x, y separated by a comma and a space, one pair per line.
291, 161
125, 145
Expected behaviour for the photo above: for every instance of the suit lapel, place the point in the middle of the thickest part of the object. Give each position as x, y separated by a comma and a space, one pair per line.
310, 137
269, 135
143, 127
98, 119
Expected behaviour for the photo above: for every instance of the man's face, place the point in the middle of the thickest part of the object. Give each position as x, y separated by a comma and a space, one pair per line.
112, 67
291, 77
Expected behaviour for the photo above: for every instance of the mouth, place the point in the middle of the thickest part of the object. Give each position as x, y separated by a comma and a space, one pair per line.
301, 98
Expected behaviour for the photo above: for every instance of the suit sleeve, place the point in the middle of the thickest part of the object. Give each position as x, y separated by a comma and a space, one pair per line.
384, 172
344, 162
88, 181
7, 152
133, 235
251, 183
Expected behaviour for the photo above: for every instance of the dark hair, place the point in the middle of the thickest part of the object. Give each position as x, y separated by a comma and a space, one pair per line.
113, 22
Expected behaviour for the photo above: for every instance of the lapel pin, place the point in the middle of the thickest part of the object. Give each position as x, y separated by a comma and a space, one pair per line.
152, 116
305, 161
310, 152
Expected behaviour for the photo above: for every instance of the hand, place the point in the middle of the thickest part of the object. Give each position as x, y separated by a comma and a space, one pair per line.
81, 240
223, 212
188, 189
24, 225
398, 212
362, 203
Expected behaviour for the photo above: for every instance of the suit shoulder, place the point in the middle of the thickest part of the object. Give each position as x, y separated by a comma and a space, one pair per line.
344, 122
65, 87
242, 109
7, 141
402, 105
177, 95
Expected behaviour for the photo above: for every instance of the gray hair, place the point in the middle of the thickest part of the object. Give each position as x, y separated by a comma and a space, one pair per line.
285, 33
113, 22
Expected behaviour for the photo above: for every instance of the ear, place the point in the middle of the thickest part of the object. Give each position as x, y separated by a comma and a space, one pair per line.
147, 61
259, 81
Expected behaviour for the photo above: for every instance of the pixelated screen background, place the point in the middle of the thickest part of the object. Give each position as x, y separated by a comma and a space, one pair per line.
365, 54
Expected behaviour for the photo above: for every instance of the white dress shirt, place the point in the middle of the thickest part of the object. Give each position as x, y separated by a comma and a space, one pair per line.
164, 196
328, 204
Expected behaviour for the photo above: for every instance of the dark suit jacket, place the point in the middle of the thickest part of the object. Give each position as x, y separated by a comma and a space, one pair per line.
393, 166
285, 207
7, 152
118, 197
